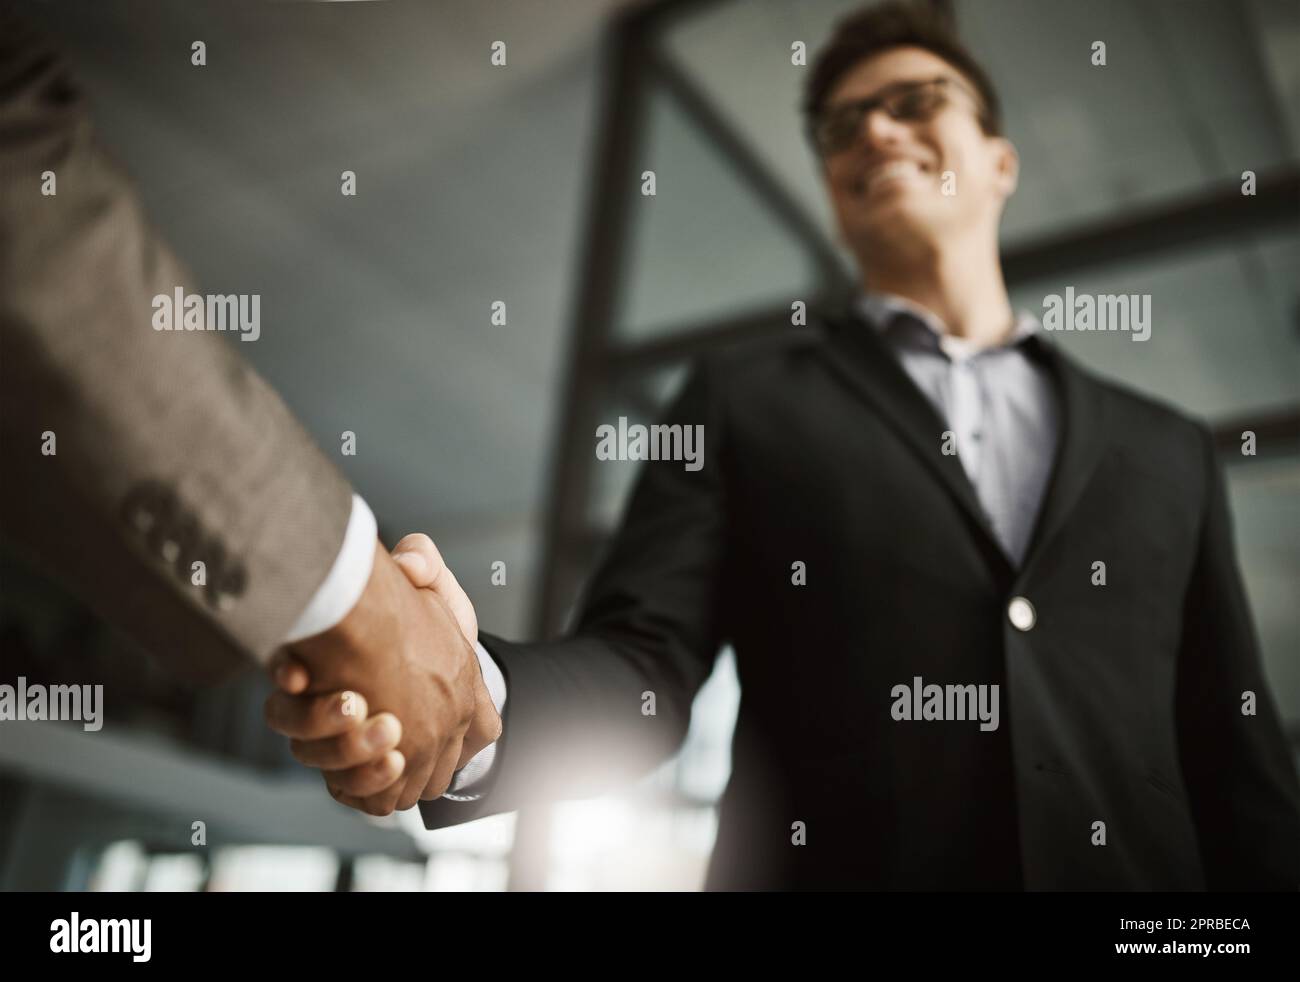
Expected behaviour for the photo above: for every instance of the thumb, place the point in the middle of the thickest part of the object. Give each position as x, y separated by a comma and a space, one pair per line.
422, 563
288, 672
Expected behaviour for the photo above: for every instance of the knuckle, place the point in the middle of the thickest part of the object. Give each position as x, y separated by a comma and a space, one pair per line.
351, 782
327, 719
318, 715
349, 749
349, 706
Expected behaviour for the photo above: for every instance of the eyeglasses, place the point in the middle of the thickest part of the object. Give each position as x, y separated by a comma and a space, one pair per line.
835, 129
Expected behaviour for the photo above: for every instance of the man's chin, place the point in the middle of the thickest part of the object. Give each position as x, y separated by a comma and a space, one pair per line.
891, 221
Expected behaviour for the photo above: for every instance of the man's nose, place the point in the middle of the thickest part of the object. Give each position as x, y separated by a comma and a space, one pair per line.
879, 129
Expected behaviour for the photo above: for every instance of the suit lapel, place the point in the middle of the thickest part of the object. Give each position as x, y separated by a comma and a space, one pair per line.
857, 355
1084, 425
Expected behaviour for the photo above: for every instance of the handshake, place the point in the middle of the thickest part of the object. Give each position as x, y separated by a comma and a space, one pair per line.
390, 702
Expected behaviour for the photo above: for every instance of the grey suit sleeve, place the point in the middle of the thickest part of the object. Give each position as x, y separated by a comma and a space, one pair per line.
169, 448
1240, 778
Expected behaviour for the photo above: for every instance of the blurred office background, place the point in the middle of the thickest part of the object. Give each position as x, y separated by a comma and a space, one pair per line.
521, 183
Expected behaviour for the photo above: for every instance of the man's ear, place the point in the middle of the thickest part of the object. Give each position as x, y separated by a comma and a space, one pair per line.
1008, 167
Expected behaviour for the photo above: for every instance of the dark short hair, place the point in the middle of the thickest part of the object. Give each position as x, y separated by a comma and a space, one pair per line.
895, 24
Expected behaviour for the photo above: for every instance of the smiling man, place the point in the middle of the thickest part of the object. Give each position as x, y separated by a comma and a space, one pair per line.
835, 539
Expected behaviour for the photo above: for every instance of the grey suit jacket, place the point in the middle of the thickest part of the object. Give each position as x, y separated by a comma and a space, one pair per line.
169, 448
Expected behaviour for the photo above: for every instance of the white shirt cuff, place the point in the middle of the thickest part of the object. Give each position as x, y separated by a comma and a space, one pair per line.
347, 578
468, 777
339, 593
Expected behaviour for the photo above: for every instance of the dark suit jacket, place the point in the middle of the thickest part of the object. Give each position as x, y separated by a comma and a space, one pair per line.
1121, 705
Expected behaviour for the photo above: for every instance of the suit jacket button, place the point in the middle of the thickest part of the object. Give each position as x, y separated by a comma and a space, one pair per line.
1021, 614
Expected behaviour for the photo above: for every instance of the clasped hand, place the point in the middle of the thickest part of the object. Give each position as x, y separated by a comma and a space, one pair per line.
390, 702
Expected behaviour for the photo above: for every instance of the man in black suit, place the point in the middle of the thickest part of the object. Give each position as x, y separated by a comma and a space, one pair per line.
1028, 664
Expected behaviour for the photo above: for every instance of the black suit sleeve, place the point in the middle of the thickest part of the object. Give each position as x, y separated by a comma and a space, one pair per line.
576, 720
1240, 777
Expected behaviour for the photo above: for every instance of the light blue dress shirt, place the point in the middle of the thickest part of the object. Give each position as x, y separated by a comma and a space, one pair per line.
1000, 403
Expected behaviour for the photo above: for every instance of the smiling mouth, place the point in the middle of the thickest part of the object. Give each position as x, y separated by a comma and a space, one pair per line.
889, 172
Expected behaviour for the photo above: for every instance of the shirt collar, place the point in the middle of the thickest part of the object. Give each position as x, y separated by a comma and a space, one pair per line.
882, 309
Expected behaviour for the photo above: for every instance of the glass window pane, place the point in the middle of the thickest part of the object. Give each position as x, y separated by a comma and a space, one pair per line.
1223, 333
